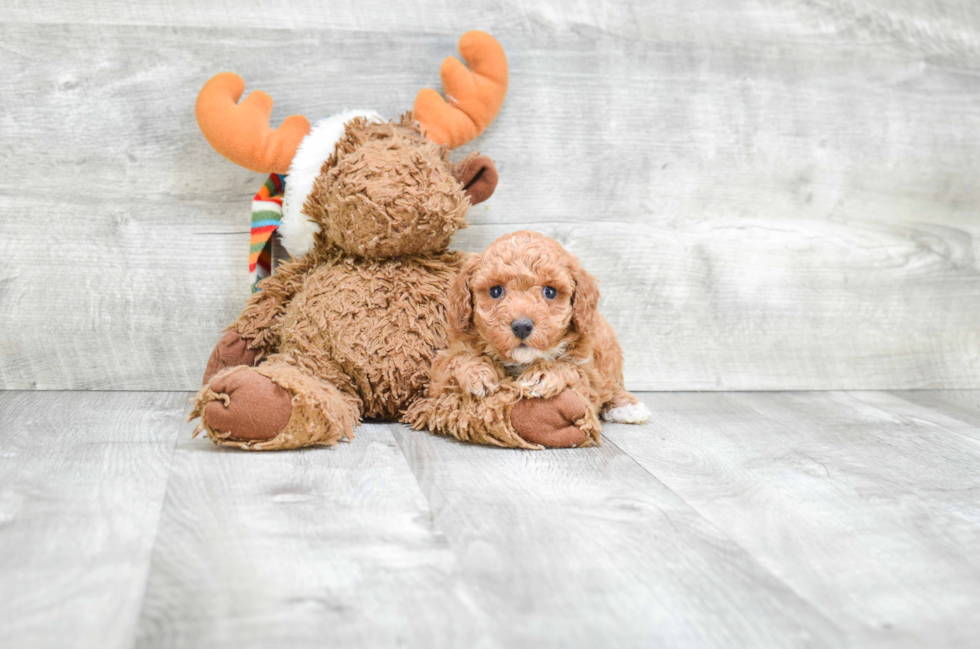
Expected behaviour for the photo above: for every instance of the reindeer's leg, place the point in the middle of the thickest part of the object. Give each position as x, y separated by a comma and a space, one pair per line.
231, 350
277, 405
564, 421
504, 418
565, 412
456, 412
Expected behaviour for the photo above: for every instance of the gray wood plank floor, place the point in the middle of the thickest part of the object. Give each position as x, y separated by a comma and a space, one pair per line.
732, 519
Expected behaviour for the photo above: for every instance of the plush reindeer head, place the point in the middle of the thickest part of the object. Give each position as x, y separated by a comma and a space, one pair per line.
370, 187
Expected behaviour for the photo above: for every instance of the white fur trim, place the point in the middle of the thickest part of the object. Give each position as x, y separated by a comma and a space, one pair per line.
631, 413
297, 230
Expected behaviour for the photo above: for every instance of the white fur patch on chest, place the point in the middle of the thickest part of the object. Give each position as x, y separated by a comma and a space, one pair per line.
524, 357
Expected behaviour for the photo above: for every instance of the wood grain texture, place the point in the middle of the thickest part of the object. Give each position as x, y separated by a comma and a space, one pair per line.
864, 506
324, 547
962, 405
774, 195
761, 520
557, 545
82, 479
943, 26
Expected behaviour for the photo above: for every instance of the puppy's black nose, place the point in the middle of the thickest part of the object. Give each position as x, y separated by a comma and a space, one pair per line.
522, 327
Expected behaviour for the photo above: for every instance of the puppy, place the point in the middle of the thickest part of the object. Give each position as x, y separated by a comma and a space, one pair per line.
525, 311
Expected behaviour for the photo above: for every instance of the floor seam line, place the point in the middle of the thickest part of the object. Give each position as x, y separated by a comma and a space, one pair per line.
958, 434
816, 609
156, 531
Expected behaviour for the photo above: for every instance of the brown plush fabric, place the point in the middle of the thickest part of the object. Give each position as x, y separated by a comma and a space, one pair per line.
388, 192
321, 414
230, 351
483, 420
370, 327
558, 422
350, 329
478, 175
249, 406
260, 319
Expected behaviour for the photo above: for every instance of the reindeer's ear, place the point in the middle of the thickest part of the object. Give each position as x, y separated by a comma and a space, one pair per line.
585, 301
460, 306
478, 176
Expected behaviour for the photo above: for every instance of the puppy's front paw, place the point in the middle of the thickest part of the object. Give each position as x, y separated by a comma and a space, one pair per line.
479, 381
541, 383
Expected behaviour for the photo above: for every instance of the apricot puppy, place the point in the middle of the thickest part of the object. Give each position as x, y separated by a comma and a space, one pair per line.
525, 311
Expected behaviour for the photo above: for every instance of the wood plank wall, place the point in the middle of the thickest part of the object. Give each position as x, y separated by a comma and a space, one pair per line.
774, 194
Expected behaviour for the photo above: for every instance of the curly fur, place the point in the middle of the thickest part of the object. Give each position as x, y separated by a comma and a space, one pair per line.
482, 420
387, 192
571, 346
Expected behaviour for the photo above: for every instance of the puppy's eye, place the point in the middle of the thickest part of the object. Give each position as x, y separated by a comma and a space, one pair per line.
496, 291
550, 292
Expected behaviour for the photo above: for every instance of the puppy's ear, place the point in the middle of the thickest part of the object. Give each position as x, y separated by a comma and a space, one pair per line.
460, 307
585, 301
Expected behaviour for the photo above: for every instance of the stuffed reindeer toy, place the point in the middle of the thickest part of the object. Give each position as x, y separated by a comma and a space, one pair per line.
348, 328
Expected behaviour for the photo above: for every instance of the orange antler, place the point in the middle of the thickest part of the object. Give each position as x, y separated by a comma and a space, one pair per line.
474, 95
241, 132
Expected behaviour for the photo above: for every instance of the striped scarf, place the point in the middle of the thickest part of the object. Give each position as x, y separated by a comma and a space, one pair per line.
266, 217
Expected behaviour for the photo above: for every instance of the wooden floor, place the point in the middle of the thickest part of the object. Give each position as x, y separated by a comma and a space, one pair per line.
734, 519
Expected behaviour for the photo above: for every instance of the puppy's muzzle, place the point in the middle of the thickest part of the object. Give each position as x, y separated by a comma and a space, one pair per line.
522, 327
